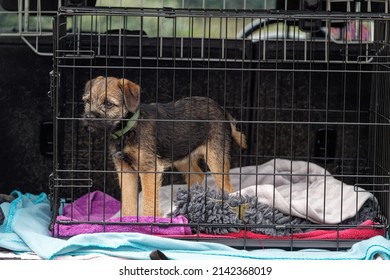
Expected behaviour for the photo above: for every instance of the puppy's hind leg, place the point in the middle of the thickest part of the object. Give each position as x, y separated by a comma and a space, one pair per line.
218, 161
191, 170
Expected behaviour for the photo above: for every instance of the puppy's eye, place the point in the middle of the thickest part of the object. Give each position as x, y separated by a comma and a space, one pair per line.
108, 105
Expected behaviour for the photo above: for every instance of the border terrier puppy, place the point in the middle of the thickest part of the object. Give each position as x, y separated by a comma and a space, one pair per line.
150, 138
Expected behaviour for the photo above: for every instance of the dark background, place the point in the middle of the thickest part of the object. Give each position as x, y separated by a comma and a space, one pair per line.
24, 108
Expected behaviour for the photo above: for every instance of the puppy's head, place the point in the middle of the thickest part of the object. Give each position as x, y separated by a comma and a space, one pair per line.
108, 100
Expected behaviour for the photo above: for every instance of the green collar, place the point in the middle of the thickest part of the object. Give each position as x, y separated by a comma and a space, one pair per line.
130, 123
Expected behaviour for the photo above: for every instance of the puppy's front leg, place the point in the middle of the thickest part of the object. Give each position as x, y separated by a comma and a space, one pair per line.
128, 182
151, 182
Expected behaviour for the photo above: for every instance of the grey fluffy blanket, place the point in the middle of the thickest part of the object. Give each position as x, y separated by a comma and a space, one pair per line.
208, 206
275, 199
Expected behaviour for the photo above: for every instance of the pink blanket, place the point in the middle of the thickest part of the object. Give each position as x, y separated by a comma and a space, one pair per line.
95, 211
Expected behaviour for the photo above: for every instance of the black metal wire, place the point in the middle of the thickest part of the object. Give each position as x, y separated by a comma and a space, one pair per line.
282, 91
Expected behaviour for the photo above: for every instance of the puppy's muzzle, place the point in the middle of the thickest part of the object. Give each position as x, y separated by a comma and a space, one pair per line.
94, 123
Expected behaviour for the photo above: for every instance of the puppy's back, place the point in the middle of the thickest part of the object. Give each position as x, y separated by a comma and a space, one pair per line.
186, 124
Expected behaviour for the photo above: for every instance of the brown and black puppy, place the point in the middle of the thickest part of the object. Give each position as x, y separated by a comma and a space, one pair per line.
147, 139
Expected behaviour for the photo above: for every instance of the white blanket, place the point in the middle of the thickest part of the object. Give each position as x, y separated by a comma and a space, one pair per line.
296, 188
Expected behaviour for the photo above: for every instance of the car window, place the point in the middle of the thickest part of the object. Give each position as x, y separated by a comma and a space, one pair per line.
37, 22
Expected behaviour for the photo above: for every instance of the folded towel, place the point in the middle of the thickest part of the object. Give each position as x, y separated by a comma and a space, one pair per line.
65, 226
96, 212
93, 206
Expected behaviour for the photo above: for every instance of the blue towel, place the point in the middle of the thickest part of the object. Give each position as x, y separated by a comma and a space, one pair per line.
26, 230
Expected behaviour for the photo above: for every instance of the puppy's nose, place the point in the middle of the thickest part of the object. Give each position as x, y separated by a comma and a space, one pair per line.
88, 121
90, 115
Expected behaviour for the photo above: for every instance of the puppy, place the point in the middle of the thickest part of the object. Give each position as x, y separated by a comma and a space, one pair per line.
147, 139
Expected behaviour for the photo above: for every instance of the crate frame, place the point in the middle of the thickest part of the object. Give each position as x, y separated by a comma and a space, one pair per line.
372, 58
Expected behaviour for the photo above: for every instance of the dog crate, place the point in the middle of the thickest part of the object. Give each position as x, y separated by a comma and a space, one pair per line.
307, 85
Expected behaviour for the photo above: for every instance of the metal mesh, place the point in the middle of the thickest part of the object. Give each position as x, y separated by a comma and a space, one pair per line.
317, 95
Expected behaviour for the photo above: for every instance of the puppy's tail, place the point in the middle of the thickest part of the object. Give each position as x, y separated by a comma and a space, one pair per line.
238, 136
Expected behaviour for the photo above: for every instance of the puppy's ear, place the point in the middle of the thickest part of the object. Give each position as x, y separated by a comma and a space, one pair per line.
131, 94
87, 89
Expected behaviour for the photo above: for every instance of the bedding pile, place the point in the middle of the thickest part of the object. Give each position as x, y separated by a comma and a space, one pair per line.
202, 206
277, 193
278, 198
24, 232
